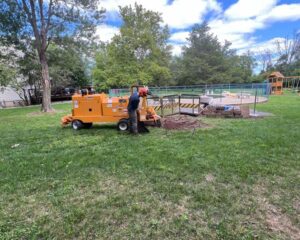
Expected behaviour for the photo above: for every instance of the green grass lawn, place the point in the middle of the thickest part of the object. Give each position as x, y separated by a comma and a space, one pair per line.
239, 179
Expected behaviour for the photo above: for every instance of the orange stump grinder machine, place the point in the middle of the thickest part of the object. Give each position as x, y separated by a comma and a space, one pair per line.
89, 108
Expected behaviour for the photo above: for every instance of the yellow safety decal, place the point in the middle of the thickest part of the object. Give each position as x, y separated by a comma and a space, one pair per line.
174, 105
189, 105
170, 105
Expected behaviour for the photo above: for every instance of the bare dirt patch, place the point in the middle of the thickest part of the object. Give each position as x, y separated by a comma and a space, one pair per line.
296, 205
182, 122
279, 222
275, 219
209, 178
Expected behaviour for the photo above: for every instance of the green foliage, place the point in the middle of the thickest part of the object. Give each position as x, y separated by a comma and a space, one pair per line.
10, 76
7, 75
12, 23
139, 54
206, 60
20, 19
66, 67
38, 23
288, 69
240, 68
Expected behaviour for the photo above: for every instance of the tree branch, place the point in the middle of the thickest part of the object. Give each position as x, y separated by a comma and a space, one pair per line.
42, 13
32, 19
49, 15
26, 9
43, 27
48, 43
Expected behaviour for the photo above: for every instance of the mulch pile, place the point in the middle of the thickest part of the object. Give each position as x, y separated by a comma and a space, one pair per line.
229, 112
182, 122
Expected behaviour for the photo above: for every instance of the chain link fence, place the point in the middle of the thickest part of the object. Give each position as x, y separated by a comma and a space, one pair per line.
214, 90
262, 89
193, 100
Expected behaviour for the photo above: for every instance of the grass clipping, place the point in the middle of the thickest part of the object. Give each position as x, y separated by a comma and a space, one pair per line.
182, 122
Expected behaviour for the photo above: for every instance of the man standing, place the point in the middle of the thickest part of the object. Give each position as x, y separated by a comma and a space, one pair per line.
133, 105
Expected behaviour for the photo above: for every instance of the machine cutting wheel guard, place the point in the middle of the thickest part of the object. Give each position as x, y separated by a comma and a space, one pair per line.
89, 108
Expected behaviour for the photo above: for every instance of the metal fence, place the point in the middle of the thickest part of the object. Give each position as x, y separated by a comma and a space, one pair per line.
190, 104
214, 90
175, 104
292, 83
192, 100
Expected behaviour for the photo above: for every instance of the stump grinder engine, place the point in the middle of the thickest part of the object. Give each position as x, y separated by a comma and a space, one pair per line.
89, 108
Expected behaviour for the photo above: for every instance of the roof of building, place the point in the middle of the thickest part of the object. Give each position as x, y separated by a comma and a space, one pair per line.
276, 75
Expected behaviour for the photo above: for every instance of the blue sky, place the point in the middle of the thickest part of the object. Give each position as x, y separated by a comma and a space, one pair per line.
249, 24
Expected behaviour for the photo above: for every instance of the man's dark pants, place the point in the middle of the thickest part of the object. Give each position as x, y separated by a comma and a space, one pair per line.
133, 121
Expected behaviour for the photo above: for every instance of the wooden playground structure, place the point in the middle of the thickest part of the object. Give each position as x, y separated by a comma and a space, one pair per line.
279, 82
276, 81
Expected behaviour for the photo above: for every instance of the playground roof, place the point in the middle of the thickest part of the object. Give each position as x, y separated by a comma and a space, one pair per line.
276, 75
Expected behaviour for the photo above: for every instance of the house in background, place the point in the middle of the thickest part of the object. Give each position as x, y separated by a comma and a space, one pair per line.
10, 98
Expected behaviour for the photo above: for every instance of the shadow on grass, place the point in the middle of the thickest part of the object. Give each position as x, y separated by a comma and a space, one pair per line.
95, 126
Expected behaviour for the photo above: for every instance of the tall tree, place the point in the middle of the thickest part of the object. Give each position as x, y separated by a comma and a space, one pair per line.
203, 57
284, 57
265, 58
205, 60
240, 68
139, 54
288, 52
45, 21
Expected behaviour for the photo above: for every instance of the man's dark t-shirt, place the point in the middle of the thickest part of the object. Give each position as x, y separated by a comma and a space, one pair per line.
134, 101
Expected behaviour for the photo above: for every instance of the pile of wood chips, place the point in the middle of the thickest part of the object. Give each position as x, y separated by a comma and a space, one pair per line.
227, 111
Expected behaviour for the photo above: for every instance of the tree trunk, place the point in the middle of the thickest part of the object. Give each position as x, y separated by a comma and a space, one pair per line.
46, 101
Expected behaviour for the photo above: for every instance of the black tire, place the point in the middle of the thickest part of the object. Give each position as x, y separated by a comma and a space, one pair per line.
123, 125
77, 125
87, 125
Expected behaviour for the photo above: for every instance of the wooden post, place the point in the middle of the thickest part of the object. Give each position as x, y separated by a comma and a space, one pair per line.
193, 105
172, 105
199, 105
162, 106
255, 101
179, 100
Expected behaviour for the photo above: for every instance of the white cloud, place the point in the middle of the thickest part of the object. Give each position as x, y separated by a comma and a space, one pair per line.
185, 13
106, 32
177, 49
284, 12
179, 37
236, 32
269, 45
113, 5
237, 24
241, 20
179, 14
247, 9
